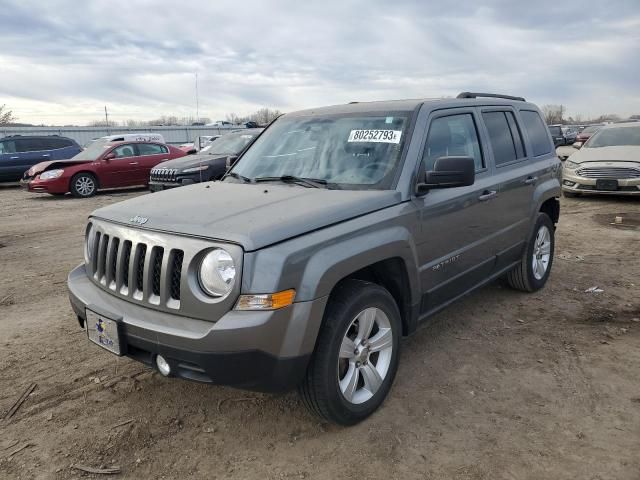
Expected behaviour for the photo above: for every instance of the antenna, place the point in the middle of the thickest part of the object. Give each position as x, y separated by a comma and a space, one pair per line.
197, 106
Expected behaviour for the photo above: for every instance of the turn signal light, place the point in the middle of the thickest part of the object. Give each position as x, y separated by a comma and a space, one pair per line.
266, 301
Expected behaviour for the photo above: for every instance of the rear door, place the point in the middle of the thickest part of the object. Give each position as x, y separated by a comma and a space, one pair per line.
150, 155
455, 239
516, 182
121, 171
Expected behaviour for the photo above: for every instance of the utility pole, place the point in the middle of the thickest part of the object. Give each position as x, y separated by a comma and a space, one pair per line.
197, 105
106, 117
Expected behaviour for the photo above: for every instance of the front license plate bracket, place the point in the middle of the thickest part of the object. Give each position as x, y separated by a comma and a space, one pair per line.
103, 331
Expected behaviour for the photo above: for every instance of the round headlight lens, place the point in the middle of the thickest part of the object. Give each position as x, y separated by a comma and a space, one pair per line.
217, 273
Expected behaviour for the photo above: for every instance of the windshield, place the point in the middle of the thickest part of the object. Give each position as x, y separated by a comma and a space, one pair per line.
555, 130
612, 137
232, 143
94, 150
356, 151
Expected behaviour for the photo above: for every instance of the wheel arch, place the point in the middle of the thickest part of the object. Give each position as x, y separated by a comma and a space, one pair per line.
93, 174
389, 261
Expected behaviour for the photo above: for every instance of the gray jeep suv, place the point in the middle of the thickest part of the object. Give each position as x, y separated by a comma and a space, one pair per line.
340, 230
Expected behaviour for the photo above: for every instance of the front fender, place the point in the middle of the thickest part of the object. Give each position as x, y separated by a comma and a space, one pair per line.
313, 263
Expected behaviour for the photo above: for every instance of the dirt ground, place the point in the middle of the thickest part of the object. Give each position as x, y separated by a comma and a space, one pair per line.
502, 385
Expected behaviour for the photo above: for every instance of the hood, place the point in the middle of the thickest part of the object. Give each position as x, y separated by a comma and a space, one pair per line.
253, 216
190, 161
625, 153
42, 166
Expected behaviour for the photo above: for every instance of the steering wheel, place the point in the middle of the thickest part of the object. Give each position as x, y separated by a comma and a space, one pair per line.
357, 171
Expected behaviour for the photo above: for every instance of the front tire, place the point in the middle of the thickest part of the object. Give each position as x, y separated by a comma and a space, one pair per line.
356, 355
532, 272
83, 185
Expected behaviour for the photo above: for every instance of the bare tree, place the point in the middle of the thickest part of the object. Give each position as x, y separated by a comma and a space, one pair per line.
6, 116
103, 123
553, 113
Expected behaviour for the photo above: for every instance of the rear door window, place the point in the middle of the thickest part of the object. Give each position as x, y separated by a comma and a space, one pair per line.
453, 135
504, 137
151, 149
537, 132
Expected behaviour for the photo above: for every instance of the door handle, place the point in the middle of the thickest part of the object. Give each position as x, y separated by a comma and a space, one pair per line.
530, 180
14, 158
46, 155
487, 195
133, 163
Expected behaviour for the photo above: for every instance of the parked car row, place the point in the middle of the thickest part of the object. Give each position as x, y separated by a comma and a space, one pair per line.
130, 160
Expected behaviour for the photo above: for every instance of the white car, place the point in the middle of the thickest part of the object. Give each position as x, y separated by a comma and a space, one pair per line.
608, 163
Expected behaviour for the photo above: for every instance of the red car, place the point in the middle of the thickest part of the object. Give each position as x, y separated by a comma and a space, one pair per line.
585, 134
102, 165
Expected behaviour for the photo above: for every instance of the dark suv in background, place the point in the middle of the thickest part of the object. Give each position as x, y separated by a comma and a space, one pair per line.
19, 153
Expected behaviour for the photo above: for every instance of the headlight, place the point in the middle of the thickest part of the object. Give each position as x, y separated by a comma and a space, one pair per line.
195, 169
571, 165
217, 273
90, 237
50, 174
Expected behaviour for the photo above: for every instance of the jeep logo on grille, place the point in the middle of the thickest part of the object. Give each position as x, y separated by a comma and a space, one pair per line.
139, 220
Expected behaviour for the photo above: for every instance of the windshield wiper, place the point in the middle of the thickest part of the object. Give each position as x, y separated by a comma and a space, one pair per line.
310, 182
239, 177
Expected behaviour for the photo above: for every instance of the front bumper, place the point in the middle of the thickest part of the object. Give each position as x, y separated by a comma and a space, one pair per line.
259, 350
155, 186
574, 183
56, 185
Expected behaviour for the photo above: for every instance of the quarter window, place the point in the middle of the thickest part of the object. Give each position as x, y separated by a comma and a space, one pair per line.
504, 137
537, 132
454, 135
151, 149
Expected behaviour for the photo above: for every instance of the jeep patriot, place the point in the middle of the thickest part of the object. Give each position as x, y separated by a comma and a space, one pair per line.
340, 230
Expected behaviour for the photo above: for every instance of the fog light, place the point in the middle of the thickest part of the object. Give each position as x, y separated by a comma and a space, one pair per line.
569, 183
163, 366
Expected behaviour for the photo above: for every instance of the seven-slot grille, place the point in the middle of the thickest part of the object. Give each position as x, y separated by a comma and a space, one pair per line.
137, 270
609, 172
164, 174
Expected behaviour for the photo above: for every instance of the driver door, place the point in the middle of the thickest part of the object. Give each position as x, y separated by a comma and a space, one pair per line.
456, 224
122, 170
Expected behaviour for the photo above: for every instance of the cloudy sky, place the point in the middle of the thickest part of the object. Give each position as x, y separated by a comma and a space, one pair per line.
63, 61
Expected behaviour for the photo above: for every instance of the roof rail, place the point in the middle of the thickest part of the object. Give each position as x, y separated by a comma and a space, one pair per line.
489, 95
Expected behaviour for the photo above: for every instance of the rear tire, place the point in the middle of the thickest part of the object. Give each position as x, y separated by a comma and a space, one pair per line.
356, 355
533, 270
83, 185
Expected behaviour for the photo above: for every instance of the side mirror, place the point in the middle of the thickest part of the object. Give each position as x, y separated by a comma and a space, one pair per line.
577, 145
449, 172
109, 156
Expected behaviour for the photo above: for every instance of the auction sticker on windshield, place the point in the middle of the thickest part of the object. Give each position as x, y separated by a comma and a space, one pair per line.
376, 136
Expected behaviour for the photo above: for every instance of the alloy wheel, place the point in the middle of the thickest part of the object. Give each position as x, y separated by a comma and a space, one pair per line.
541, 252
85, 186
365, 355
